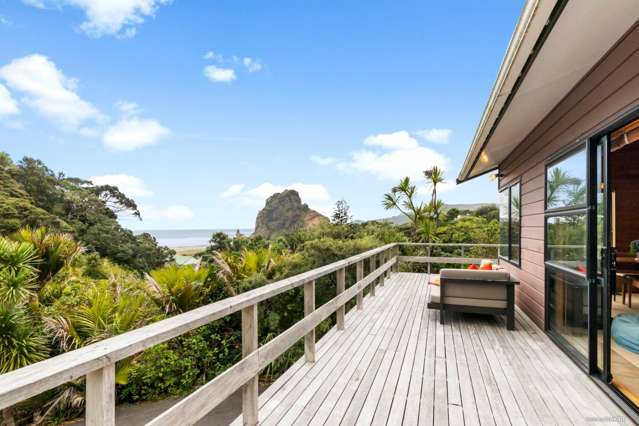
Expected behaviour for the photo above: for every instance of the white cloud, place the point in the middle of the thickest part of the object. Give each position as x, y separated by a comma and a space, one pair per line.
119, 18
4, 21
132, 186
252, 65
128, 109
395, 164
134, 133
8, 105
172, 213
232, 190
397, 155
316, 195
397, 140
212, 56
217, 74
323, 161
435, 135
48, 91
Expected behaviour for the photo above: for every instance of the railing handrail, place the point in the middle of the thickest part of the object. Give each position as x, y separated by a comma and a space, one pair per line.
450, 244
26, 382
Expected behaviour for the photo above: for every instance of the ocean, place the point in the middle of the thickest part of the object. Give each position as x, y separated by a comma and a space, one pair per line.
188, 237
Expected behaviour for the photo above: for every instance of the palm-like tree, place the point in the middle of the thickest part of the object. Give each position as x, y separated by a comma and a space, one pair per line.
177, 289
107, 310
20, 342
56, 250
402, 198
561, 182
434, 177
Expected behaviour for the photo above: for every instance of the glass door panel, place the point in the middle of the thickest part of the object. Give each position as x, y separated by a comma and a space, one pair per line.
622, 276
566, 253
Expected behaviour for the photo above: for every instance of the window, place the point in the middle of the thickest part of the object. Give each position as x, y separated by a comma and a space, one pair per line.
510, 224
566, 182
566, 245
566, 212
565, 251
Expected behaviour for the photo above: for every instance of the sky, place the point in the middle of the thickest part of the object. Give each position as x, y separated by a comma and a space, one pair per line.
199, 110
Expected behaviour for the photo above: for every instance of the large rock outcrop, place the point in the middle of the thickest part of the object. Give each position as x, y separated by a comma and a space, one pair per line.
285, 212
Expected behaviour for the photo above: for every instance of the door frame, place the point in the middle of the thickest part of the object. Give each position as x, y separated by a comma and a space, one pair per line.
603, 377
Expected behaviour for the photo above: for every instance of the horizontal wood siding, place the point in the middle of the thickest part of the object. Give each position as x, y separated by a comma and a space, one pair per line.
609, 91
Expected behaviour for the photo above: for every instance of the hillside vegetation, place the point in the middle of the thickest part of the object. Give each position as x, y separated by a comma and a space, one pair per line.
70, 276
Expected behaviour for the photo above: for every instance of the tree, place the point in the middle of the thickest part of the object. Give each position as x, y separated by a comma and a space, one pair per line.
434, 176
341, 213
33, 195
489, 212
402, 199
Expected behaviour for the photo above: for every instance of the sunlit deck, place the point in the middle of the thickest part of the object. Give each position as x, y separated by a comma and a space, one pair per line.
395, 364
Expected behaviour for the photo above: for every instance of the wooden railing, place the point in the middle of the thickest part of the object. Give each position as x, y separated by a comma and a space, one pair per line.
97, 361
455, 260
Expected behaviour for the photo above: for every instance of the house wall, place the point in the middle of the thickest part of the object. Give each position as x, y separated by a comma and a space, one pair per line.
608, 92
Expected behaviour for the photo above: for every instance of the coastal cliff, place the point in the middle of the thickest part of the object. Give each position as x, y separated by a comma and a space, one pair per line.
285, 212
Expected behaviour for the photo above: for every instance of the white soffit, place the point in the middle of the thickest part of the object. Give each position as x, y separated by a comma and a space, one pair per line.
584, 32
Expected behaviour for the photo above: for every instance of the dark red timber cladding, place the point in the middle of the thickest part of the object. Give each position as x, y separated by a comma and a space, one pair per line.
610, 90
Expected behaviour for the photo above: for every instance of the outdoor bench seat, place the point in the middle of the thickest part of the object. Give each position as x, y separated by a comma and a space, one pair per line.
474, 291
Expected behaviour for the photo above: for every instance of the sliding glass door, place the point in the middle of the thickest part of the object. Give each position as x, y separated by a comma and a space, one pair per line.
567, 286
600, 264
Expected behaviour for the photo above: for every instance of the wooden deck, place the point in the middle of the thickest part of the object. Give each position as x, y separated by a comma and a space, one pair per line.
395, 364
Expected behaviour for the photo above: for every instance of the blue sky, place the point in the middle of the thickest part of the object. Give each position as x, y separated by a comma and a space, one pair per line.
201, 109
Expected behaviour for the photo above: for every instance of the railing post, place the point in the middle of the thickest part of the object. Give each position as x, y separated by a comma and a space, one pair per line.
430, 251
395, 254
249, 344
341, 286
381, 262
386, 259
309, 307
373, 265
359, 275
100, 397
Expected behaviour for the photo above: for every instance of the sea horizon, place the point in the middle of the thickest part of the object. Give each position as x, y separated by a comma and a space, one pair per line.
174, 238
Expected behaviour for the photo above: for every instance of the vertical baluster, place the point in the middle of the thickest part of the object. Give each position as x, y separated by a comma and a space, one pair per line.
381, 262
359, 275
100, 397
341, 286
373, 266
249, 344
309, 307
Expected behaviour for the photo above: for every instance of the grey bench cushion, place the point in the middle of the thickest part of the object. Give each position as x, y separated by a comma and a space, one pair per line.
434, 297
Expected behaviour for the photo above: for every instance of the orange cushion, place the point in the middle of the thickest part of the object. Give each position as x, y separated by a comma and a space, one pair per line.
435, 280
473, 266
486, 267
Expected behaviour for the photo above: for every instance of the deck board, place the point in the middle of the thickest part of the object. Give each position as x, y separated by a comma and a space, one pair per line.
396, 364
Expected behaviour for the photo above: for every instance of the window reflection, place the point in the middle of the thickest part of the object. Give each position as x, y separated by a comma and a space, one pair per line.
566, 182
566, 236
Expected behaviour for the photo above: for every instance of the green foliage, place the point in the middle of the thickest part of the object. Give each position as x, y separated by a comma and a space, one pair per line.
402, 199
177, 367
21, 343
177, 289
32, 195
104, 310
341, 213
55, 250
